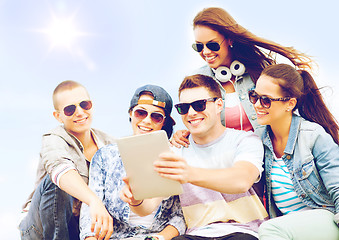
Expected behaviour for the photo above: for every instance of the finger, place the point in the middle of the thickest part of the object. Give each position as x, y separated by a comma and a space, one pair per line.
93, 223
98, 228
110, 229
104, 229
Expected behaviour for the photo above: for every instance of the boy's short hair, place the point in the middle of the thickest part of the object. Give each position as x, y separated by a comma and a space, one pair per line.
199, 80
63, 86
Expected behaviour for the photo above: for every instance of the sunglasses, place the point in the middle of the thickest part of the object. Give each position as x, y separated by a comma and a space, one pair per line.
264, 100
213, 46
141, 114
70, 109
198, 106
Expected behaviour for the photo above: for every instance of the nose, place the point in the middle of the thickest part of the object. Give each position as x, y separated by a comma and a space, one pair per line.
206, 50
147, 119
79, 110
191, 111
257, 104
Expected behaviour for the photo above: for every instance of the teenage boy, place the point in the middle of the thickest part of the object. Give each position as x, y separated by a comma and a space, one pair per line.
62, 174
217, 169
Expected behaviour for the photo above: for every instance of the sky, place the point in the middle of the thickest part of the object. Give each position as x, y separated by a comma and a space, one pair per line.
112, 47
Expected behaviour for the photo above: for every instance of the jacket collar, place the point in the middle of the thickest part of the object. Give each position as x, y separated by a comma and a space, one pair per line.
292, 136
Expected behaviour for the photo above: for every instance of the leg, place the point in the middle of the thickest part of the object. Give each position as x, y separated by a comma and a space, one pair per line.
49, 213
312, 224
233, 236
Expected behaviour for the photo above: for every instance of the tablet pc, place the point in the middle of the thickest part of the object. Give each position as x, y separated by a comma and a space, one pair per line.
138, 153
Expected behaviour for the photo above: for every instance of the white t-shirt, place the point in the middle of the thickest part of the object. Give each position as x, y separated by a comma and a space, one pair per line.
232, 146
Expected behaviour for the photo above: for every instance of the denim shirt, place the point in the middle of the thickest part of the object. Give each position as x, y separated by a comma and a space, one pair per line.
312, 159
105, 180
242, 85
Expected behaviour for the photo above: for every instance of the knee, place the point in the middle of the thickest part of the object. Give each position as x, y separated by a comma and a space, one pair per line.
270, 230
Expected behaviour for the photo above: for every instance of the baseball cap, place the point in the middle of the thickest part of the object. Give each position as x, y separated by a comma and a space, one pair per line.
161, 98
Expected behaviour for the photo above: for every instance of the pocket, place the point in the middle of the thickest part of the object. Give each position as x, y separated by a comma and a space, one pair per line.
311, 183
32, 233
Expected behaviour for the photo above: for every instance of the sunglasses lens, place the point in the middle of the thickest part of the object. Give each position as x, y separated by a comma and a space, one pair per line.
86, 105
157, 117
140, 114
265, 102
213, 46
199, 105
69, 110
182, 108
253, 97
198, 46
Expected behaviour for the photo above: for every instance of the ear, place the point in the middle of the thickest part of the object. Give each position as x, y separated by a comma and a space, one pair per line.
291, 104
219, 104
56, 115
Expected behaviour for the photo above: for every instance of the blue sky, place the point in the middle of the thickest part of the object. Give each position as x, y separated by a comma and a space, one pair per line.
113, 47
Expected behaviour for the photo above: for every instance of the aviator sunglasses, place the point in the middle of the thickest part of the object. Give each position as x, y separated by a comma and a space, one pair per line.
265, 101
198, 106
70, 109
141, 114
213, 46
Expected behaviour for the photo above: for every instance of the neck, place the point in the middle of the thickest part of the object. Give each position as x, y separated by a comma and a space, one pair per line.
85, 138
279, 134
208, 136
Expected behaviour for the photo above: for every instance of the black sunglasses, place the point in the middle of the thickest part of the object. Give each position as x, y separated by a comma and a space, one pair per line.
70, 109
213, 46
265, 101
199, 105
141, 114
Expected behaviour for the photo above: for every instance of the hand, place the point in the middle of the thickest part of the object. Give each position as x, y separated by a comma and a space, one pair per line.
172, 166
126, 194
180, 138
102, 221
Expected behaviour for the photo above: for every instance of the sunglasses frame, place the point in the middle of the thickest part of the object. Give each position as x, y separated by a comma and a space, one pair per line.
75, 107
263, 98
194, 105
148, 113
198, 47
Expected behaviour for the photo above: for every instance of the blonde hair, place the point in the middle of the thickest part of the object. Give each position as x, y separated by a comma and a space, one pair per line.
63, 86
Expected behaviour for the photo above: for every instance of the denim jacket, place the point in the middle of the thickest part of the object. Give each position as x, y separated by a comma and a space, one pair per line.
312, 158
242, 85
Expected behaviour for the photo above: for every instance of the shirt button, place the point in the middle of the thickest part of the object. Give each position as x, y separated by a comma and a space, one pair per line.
304, 173
288, 157
242, 97
303, 195
253, 117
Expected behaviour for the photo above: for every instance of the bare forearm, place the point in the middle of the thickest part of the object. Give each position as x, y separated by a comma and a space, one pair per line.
146, 207
169, 232
229, 180
72, 183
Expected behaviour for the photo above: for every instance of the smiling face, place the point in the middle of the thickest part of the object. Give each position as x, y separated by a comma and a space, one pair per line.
216, 59
204, 126
80, 122
279, 110
146, 125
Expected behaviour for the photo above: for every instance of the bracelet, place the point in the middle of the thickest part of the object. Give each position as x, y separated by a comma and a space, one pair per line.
137, 204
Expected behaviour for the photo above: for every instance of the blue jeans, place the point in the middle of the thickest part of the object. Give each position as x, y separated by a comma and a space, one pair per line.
50, 214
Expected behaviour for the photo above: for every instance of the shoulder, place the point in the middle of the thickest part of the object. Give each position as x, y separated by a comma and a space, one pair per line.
240, 135
204, 70
109, 150
56, 137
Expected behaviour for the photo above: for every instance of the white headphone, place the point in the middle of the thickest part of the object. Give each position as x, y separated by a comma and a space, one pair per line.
224, 74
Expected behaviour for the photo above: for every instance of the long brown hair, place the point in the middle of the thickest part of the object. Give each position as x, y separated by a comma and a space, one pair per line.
246, 45
300, 84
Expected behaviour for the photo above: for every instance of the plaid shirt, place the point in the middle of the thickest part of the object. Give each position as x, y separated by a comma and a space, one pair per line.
106, 173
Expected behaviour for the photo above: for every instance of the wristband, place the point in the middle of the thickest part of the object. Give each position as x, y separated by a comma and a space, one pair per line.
137, 204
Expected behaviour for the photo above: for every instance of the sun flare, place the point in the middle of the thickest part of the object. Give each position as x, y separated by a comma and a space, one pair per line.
62, 32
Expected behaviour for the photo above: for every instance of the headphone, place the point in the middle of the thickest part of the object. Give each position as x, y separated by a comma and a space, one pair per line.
224, 74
